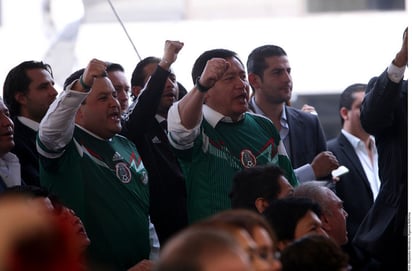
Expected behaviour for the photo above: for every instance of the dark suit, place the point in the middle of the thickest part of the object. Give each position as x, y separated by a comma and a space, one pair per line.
353, 187
166, 181
355, 191
384, 115
25, 150
306, 136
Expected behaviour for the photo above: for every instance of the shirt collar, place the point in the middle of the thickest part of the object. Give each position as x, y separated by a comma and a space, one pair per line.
355, 141
213, 117
159, 118
29, 123
260, 112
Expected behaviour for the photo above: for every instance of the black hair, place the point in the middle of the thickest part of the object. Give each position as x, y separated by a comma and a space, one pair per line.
313, 253
256, 61
257, 182
17, 80
284, 215
346, 98
73, 77
114, 67
201, 61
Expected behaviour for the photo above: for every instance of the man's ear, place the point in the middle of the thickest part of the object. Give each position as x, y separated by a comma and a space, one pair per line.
261, 204
254, 80
325, 223
344, 113
136, 90
20, 97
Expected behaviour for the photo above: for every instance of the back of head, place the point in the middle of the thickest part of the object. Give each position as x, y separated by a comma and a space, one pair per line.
346, 97
256, 182
201, 61
17, 80
200, 249
284, 215
245, 219
314, 253
256, 60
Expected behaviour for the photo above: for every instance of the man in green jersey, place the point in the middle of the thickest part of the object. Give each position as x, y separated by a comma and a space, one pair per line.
214, 136
96, 172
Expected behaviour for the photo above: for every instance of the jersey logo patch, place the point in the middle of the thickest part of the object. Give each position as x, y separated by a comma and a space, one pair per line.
247, 158
123, 172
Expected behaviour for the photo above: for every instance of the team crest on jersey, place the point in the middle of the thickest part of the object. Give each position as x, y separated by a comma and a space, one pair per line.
123, 172
143, 177
247, 158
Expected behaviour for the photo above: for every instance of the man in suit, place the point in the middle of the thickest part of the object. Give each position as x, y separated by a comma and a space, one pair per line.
145, 126
384, 114
28, 92
301, 132
356, 150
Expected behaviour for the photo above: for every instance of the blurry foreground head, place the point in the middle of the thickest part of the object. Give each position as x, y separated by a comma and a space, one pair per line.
54, 240
203, 249
314, 253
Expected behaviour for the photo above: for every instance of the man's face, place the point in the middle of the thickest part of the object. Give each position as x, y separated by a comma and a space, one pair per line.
41, 93
122, 88
276, 83
230, 94
309, 224
335, 218
285, 188
170, 90
6, 130
353, 115
100, 114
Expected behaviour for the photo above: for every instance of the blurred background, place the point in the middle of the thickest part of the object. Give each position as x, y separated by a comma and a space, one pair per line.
330, 43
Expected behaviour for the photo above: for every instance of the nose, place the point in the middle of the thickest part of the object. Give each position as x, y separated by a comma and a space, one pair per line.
53, 91
5, 120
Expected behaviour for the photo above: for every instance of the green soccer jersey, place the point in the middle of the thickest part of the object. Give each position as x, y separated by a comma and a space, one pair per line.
218, 153
105, 183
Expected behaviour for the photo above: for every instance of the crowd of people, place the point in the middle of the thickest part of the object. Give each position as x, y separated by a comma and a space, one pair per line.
228, 176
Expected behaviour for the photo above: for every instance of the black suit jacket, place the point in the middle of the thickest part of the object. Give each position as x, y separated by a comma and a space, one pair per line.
353, 188
25, 149
166, 182
306, 136
384, 114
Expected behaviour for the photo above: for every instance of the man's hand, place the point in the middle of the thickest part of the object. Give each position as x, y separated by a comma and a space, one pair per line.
213, 71
401, 58
95, 68
171, 50
324, 163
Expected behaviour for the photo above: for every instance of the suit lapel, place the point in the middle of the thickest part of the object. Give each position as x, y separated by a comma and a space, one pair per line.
352, 157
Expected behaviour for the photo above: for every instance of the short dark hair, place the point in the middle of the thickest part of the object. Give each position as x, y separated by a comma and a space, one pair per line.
346, 97
313, 253
201, 61
257, 182
138, 74
284, 215
256, 61
73, 77
114, 67
17, 80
